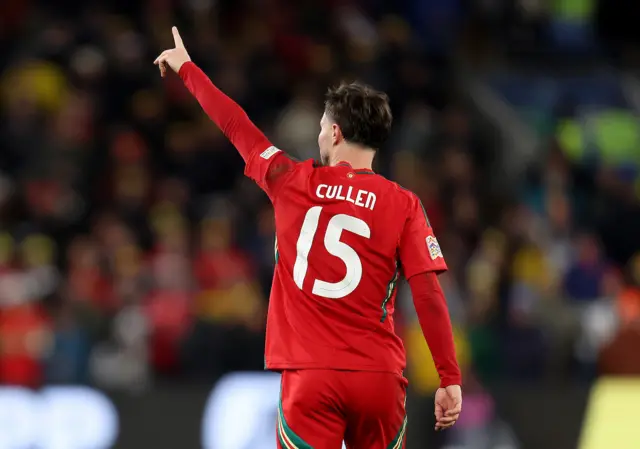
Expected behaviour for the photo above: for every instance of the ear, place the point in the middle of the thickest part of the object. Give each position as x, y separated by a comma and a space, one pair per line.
336, 134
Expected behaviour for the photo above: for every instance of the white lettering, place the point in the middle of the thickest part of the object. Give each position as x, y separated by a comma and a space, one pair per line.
349, 192
371, 201
318, 190
360, 198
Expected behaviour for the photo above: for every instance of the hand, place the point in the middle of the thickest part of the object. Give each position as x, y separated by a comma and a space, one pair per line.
448, 406
174, 57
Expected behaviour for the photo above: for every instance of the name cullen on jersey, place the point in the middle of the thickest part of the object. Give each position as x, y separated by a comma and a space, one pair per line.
360, 198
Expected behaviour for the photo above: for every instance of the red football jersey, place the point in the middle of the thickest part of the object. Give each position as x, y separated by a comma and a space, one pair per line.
342, 236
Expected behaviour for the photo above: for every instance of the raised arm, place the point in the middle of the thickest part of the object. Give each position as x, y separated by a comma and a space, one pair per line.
265, 164
222, 110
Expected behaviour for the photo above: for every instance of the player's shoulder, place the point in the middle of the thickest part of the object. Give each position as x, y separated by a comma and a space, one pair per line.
302, 164
274, 152
281, 157
406, 196
400, 199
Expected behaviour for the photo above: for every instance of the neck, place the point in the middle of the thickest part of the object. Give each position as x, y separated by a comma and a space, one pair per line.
357, 156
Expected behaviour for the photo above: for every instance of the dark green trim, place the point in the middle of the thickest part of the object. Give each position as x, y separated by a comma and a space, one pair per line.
298, 442
391, 286
363, 172
399, 436
424, 211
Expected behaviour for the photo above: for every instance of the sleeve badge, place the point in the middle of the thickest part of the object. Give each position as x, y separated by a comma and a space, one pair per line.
266, 154
434, 248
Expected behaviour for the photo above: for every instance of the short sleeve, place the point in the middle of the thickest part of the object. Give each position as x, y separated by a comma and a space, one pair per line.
270, 169
419, 249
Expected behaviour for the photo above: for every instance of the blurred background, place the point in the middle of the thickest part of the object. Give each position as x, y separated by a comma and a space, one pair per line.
136, 260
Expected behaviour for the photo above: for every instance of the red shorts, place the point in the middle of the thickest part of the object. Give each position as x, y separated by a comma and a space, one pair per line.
320, 409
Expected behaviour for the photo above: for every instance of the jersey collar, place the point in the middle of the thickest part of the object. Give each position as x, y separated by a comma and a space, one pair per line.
357, 171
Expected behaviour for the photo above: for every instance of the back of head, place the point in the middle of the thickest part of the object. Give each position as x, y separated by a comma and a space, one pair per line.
362, 113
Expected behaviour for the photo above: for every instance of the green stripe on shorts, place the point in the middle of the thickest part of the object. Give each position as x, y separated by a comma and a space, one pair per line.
293, 440
397, 441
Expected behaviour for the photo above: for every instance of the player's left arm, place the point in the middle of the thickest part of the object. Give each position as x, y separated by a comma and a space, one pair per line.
433, 315
265, 164
422, 260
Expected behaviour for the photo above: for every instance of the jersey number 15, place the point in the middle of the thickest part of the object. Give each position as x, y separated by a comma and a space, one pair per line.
337, 223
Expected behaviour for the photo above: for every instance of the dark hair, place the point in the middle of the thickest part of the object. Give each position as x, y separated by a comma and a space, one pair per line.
362, 113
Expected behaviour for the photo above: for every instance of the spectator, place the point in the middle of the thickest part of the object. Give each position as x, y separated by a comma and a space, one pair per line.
584, 278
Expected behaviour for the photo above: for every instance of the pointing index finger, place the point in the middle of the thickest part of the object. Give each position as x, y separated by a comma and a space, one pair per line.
176, 38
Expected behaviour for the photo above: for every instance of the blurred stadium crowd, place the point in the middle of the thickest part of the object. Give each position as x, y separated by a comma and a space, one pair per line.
132, 248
